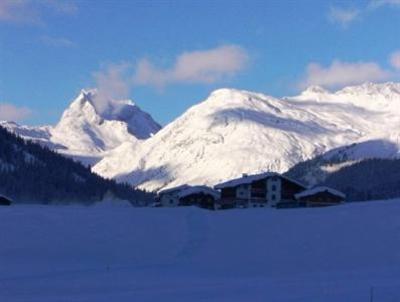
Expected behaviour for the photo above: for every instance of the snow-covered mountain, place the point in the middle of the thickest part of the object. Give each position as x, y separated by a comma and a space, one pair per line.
230, 133
38, 134
383, 141
321, 167
86, 133
234, 132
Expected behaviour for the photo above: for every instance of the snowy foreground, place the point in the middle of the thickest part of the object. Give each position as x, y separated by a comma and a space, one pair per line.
63, 253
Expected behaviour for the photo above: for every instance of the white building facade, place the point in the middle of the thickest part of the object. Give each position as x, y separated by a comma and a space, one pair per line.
260, 190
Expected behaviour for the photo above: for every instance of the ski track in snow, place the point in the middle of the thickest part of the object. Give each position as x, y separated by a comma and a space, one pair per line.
196, 233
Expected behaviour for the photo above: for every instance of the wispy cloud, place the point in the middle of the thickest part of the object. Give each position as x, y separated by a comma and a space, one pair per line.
32, 12
395, 60
343, 16
340, 74
113, 83
9, 112
201, 66
374, 4
192, 67
66, 7
18, 11
57, 41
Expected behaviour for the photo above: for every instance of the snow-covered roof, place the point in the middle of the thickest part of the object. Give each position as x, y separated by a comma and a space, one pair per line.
247, 179
198, 189
320, 189
171, 190
5, 197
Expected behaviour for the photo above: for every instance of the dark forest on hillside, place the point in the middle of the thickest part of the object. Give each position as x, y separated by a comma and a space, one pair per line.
30, 172
366, 180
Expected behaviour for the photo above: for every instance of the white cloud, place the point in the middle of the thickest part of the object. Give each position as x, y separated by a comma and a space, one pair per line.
395, 60
116, 81
31, 12
343, 16
57, 41
374, 4
66, 7
202, 66
9, 112
18, 11
112, 84
340, 74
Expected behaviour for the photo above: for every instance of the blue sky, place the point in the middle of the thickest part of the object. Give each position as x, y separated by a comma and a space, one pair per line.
169, 55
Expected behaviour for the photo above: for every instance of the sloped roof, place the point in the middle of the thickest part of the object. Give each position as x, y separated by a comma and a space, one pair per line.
171, 190
5, 199
198, 189
320, 189
251, 178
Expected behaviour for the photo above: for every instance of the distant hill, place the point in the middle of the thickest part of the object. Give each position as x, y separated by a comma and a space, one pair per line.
367, 179
30, 172
317, 169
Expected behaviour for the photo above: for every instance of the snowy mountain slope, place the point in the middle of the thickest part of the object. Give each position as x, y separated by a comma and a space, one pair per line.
234, 132
383, 141
85, 133
317, 169
82, 128
41, 134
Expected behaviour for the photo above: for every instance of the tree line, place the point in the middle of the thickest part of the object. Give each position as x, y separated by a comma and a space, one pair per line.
30, 172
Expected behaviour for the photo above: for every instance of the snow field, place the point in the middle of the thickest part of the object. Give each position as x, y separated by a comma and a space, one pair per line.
67, 253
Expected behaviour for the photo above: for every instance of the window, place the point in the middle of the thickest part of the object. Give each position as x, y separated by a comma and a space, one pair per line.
273, 197
273, 188
171, 201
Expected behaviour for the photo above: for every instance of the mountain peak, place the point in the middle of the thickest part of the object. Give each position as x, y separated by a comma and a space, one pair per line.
228, 97
93, 123
84, 96
88, 93
388, 89
224, 91
223, 95
105, 107
315, 89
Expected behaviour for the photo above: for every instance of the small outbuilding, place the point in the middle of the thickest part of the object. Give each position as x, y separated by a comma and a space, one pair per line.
319, 197
4, 201
170, 197
185, 195
202, 196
